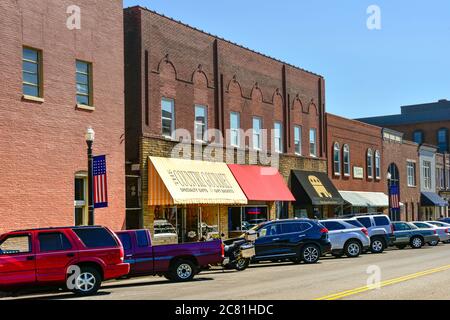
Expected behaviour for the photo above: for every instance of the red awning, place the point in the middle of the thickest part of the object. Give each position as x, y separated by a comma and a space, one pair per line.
261, 183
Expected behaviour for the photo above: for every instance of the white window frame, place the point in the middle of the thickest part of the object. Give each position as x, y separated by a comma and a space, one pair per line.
256, 134
347, 166
277, 137
377, 165
204, 138
235, 132
313, 142
369, 163
336, 162
411, 173
426, 166
298, 141
172, 123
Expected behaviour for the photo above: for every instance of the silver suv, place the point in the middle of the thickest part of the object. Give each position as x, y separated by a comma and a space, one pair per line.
347, 238
381, 231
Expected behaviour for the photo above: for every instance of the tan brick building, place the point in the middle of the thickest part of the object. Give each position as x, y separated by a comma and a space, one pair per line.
42, 119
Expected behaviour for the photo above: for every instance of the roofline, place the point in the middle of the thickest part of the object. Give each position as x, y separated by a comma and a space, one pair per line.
223, 39
373, 126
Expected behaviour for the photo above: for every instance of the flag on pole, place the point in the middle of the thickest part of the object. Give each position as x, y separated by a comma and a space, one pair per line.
100, 182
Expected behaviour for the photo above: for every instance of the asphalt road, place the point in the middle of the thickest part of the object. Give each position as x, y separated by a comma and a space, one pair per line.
403, 274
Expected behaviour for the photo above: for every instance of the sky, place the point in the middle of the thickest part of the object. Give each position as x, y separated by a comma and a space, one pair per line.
367, 71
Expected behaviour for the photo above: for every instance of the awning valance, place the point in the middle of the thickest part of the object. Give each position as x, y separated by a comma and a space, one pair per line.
261, 183
311, 187
178, 181
366, 199
431, 199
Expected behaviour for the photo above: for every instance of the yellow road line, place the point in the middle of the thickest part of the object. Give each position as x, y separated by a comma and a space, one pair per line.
347, 293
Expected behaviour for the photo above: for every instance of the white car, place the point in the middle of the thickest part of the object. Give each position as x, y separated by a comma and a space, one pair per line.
442, 232
350, 239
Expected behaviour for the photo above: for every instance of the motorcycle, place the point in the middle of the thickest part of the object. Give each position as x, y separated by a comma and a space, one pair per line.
240, 251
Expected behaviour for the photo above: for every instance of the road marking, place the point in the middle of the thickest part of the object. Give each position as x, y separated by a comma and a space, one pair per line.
347, 293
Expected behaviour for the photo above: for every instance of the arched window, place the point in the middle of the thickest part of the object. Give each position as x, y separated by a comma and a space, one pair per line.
369, 163
377, 165
336, 159
346, 160
442, 139
418, 136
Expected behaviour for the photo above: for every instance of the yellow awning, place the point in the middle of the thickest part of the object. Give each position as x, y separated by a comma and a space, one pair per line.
177, 181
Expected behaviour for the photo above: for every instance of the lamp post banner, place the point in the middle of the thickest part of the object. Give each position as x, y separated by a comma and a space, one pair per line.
100, 182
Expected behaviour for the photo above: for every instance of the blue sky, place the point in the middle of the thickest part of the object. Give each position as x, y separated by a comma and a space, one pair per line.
367, 72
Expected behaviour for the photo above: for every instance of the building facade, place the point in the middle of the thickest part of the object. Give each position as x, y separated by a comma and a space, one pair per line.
56, 82
182, 83
356, 164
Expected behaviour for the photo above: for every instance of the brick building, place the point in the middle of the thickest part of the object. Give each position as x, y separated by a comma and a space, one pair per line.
178, 77
46, 111
356, 164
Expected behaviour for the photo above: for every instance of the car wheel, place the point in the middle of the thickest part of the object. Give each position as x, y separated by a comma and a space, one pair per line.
352, 249
241, 264
433, 243
87, 282
377, 245
182, 270
416, 242
310, 253
401, 247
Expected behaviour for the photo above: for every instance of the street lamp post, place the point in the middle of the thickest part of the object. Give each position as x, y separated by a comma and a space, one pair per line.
90, 136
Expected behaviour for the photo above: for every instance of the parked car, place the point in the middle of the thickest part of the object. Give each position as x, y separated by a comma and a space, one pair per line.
42, 257
408, 234
442, 232
441, 224
446, 220
346, 238
176, 262
294, 239
380, 231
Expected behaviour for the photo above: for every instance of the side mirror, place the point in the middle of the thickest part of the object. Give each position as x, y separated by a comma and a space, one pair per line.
251, 235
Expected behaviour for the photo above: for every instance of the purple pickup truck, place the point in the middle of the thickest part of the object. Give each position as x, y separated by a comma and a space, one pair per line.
177, 262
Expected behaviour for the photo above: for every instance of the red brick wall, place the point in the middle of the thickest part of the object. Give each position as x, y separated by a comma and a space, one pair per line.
193, 67
42, 144
359, 137
429, 129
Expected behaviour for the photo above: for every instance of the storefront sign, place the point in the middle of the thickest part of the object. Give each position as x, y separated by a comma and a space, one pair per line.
358, 172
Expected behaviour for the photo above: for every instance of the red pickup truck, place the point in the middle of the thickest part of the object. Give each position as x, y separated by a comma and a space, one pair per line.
177, 262
76, 258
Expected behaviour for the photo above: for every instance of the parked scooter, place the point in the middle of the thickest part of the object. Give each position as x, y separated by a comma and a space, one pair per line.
240, 251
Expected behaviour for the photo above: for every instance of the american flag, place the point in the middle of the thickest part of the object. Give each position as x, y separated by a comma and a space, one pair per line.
394, 197
100, 182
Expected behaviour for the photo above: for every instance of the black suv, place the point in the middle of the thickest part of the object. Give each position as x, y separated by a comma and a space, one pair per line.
294, 239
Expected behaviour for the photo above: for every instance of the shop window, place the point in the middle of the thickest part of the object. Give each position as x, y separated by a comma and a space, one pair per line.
201, 123
313, 142
298, 140
32, 72
245, 218
235, 127
257, 134
167, 117
336, 159
80, 201
346, 160
84, 83
369, 163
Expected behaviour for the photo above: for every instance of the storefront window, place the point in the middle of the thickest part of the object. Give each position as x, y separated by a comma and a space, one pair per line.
244, 218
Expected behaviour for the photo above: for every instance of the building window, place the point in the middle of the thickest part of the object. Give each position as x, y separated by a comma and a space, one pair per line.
81, 205
32, 72
336, 159
235, 127
201, 123
418, 136
278, 140
346, 160
443, 140
257, 139
426, 167
377, 165
411, 173
313, 142
167, 117
84, 82
298, 140
369, 163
